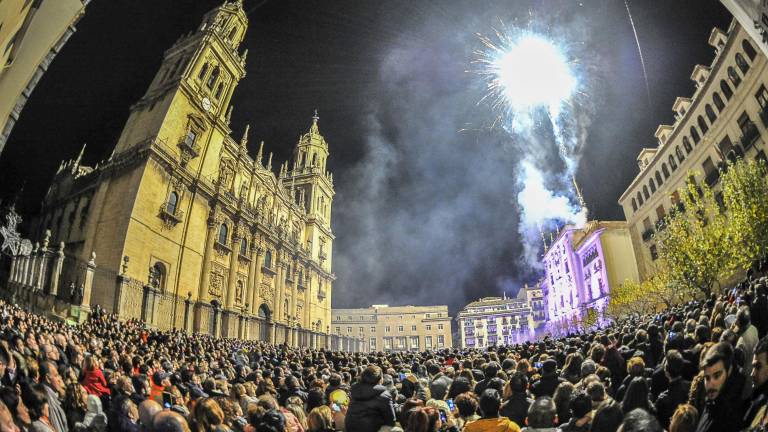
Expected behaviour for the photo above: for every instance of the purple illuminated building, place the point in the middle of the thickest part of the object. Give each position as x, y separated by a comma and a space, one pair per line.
580, 267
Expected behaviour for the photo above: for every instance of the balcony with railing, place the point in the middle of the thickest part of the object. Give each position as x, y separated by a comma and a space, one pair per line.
648, 234
170, 214
750, 135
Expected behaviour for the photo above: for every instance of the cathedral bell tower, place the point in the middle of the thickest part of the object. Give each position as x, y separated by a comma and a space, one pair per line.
187, 103
311, 186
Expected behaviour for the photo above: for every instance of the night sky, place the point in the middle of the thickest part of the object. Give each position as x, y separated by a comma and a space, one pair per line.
425, 211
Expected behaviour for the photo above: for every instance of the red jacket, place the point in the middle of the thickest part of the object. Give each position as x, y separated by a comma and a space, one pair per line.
94, 383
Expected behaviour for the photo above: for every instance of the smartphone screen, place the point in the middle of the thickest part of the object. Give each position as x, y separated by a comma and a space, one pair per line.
335, 407
167, 399
451, 405
443, 417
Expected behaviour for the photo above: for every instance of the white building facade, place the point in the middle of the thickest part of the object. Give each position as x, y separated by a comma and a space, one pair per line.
726, 118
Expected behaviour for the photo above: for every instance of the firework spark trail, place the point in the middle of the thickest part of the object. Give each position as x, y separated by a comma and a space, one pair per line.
640, 52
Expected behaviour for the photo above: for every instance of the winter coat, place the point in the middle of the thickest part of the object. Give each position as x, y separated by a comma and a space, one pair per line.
370, 408
94, 382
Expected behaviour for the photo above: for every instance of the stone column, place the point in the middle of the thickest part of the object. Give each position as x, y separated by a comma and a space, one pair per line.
202, 294
279, 291
85, 303
58, 266
187, 310
254, 277
202, 313
42, 264
230, 295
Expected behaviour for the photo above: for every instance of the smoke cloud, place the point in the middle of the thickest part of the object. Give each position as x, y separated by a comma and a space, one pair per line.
439, 200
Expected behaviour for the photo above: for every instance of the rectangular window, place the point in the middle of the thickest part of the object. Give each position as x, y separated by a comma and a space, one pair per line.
372, 344
400, 342
373, 329
762, 97
387, 343
387, 329
647, 223
414, 342
413, 328
654, 253
744, 122
361, 330
428, 327
399, 329
660, 213
428, 342
349, 329
189, 140
439, 326
338, 330
440, 341
725, 145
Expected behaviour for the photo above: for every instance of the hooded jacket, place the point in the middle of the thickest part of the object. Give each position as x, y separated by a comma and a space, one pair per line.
370, 408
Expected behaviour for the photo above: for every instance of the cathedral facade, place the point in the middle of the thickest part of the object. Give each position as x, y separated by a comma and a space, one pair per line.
185, 228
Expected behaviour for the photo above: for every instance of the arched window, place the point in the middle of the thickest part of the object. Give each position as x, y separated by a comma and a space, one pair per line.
702, 125
640, 198
203, 71
665, 170
243, 247
219, 90
264, 312
734, 76
285, 307
314, 159
726, 89
173, 200
687, 145
268, 259
652, 184
695, 135
212, 79
634, 204
679, 153
659, 181
749, 49
711, 116
232, 33
223, 234
672, 163
718, 100
645, 192
741, 63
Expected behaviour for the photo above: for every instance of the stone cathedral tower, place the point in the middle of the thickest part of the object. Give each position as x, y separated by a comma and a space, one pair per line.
188, 230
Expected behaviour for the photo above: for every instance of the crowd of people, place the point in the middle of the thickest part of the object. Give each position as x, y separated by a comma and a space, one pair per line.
701, 366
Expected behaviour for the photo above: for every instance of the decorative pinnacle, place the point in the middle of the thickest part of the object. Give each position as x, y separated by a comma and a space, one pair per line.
244, 140
315, 117
261, 152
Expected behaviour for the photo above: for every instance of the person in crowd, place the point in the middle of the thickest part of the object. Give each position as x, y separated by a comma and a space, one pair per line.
580, 415
320, 419
542, 416
490, 403
371, 405
608, 417
516, 398
640, 420
54, 390
758, 405
721, 408
466, 409
562, 398
677, 392
637, 396
549, 380
684, 419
